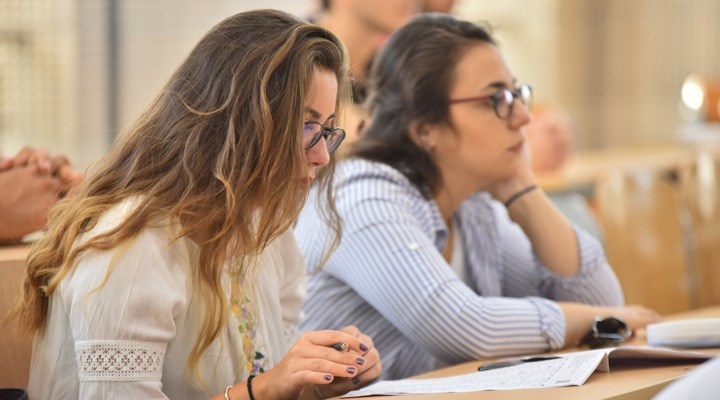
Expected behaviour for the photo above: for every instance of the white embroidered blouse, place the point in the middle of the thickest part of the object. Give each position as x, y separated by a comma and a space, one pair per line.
131, 338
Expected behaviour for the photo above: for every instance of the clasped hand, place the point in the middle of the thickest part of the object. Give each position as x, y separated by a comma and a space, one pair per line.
32, 181
313, 361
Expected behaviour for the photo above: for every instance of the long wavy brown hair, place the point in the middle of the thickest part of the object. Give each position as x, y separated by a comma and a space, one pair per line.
219, 151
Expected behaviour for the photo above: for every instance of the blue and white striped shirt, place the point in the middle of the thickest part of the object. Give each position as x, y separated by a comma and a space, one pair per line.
389, 278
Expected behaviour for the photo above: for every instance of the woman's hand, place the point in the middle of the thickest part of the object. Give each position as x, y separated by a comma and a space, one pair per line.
313, 361
523, 178
57, 166
26, 201
579, 318
636, 316
368, 371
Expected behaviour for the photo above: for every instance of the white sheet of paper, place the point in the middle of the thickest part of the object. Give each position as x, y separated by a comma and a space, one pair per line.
572, 369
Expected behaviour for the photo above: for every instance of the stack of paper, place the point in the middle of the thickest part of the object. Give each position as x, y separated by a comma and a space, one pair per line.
570, 369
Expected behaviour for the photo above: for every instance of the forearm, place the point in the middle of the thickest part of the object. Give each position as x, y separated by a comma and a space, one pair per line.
552, 237
432, 307
484, 327
579, 319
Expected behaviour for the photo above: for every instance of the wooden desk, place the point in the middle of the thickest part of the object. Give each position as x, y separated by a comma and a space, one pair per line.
14, 253
624, 383
14, 347
584, 168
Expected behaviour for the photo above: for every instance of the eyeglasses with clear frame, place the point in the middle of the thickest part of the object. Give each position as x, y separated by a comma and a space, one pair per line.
503, 100
313, 131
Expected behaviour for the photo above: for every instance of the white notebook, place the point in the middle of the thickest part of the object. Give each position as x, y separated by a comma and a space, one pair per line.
704, 332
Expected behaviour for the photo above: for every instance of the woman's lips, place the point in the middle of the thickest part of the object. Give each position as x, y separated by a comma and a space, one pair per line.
518, 147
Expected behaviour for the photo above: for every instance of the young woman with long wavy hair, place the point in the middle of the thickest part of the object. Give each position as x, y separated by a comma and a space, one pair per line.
171, 272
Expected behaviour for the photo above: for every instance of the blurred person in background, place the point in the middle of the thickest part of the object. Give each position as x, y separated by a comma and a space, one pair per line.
441, 6
363, 26
32, 182
550, 133
551, 136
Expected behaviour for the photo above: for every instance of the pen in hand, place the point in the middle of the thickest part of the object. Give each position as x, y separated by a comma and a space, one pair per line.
513, 362
340, 346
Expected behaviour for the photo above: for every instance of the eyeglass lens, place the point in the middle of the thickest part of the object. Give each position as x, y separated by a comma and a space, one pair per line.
313, 131
503, 100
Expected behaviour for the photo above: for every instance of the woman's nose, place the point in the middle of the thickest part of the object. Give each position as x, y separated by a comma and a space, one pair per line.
318, 154
520, 115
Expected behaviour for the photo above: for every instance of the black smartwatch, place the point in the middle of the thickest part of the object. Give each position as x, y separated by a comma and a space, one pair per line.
609, 331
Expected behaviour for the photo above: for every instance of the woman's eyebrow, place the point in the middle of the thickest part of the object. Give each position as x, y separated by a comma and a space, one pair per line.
500, 84
313, 113
316, 115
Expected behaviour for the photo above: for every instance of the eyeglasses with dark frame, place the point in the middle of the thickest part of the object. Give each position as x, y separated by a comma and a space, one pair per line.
503, 100
316, 130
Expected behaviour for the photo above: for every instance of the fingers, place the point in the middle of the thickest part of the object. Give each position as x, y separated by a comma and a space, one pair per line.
22, 158
317, 362
29, 156
5, 163
41, 159
638, 316
58, 162
330, 338
322, 345
340, 386
321, 372
351, 330
350, 361
69, 175
58, 165
364, 378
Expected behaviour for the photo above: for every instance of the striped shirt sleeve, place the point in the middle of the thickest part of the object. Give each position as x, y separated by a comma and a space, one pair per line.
388, 258
525, 274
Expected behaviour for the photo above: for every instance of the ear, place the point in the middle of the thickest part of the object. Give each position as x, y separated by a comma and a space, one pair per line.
421, 135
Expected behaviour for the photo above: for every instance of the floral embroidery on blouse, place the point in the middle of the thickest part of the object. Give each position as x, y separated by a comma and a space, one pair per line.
240, 306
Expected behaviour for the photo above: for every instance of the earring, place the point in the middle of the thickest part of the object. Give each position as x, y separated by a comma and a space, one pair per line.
427, 147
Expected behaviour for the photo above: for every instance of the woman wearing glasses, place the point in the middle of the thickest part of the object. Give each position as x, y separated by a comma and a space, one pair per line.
450, 250
171, 272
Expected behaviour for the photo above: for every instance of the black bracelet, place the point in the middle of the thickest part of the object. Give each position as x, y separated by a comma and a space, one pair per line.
249, 385
519, 194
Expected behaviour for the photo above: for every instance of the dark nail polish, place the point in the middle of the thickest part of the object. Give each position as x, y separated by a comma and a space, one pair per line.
360, 361
356, 380
351, 370
328, 377
363, 347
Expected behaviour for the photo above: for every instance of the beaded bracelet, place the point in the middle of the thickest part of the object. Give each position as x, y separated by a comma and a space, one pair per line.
519, 194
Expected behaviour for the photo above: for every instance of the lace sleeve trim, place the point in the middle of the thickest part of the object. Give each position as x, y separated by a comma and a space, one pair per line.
119, 360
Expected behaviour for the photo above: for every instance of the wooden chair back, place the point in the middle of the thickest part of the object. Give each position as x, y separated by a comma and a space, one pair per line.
645, 224
700, 183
